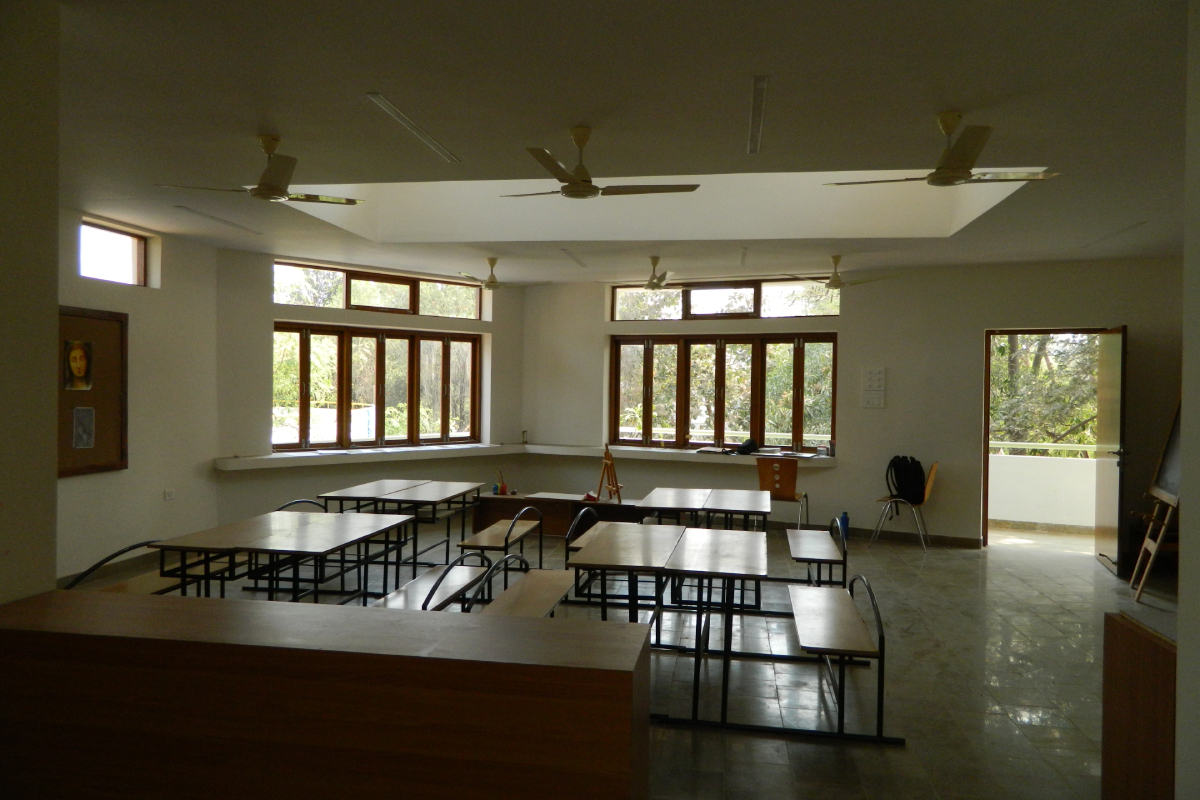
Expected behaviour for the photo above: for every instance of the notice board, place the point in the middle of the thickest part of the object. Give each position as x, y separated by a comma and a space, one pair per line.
93, 422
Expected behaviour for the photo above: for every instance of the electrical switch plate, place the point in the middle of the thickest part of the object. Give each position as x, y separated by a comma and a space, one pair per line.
168, 494
874, 379
872, 400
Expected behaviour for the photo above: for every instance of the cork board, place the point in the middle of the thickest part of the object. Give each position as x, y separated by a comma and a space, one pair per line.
92, 387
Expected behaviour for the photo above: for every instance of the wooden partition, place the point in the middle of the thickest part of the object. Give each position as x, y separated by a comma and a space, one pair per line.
129, 696
1137, 751
557, 510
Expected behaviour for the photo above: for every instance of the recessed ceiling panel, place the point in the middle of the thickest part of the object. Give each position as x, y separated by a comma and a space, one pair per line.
785, 205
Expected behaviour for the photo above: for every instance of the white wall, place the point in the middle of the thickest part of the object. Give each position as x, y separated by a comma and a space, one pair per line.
927, 328
1057, 491
29, 306
172, 405
1187, 680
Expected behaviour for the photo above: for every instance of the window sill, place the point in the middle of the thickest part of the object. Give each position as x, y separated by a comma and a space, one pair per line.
314, 458
667, 454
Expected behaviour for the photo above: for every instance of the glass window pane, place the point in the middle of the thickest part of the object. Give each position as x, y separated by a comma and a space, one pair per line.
799, 299
395, 389
643, 304
723, 301
778, 401
449, 300
702, 394
108, 255
322, 388
460, 389
380, 294
309, 286
285, 416
818, 393
737, 393
629, 409
430, 426
362, 388
666, 363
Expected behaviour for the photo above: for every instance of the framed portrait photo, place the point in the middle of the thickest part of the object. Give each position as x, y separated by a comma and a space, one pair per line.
92, 404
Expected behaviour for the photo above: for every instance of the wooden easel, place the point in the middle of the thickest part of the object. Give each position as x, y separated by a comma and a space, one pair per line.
1165, 491
1156, 534
608, 477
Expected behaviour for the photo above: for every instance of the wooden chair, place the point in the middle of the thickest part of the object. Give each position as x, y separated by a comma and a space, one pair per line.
778, 476
890, 503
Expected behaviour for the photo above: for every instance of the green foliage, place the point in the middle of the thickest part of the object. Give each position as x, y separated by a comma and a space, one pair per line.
305, 286
642, 304
448, 300
1044, 391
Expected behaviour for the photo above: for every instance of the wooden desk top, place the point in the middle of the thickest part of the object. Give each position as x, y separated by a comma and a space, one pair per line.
724, 554
582, 643
626, 545
741, 501
679, 499
432, 492
369, 491
286, 531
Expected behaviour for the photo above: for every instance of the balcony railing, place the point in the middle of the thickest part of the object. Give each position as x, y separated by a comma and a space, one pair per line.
1071, 448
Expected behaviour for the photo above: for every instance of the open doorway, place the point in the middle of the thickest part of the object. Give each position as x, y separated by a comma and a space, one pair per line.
1045, 414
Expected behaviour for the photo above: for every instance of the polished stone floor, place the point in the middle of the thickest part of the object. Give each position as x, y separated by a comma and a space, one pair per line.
993, 678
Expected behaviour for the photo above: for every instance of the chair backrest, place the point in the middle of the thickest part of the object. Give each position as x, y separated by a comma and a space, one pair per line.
778, 476
929, 482
839, 533
291, 503
578, 527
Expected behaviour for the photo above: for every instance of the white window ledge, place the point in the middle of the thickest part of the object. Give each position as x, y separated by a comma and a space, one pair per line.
313, 458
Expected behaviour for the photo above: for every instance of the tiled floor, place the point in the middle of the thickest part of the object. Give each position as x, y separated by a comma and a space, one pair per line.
993, 677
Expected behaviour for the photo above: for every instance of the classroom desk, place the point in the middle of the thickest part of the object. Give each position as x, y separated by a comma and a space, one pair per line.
722, 555
745, 503
145, 696
430, 496
632, 548
366, 493
285, 539
676, 502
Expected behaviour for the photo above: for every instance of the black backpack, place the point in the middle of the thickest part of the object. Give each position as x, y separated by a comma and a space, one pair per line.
906, 479
746, 448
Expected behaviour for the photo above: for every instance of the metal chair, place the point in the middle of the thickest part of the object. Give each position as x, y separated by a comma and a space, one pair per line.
891, 503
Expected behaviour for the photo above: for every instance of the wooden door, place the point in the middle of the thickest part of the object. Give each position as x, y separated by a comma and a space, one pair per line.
1110, 438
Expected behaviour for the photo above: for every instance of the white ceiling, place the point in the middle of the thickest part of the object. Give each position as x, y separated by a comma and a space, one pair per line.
175, 93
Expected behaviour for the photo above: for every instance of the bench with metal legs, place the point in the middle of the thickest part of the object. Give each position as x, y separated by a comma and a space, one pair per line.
502, 535
440, 586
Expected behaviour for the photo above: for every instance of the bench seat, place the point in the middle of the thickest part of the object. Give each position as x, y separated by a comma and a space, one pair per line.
146, 583
828, 622
492, 537
814, 546
412, 594
534, 595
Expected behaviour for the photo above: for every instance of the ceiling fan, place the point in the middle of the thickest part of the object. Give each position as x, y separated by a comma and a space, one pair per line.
492, 282
274, 182
657, 280
958, 159
837, 282
577, 184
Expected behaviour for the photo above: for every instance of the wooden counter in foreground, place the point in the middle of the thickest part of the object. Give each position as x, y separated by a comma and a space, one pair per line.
111, 695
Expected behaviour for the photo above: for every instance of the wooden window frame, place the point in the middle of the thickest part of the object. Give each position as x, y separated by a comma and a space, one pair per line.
372, 277
346, 336
756, 286
140, 256
351, 275
758, 357
688, 288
